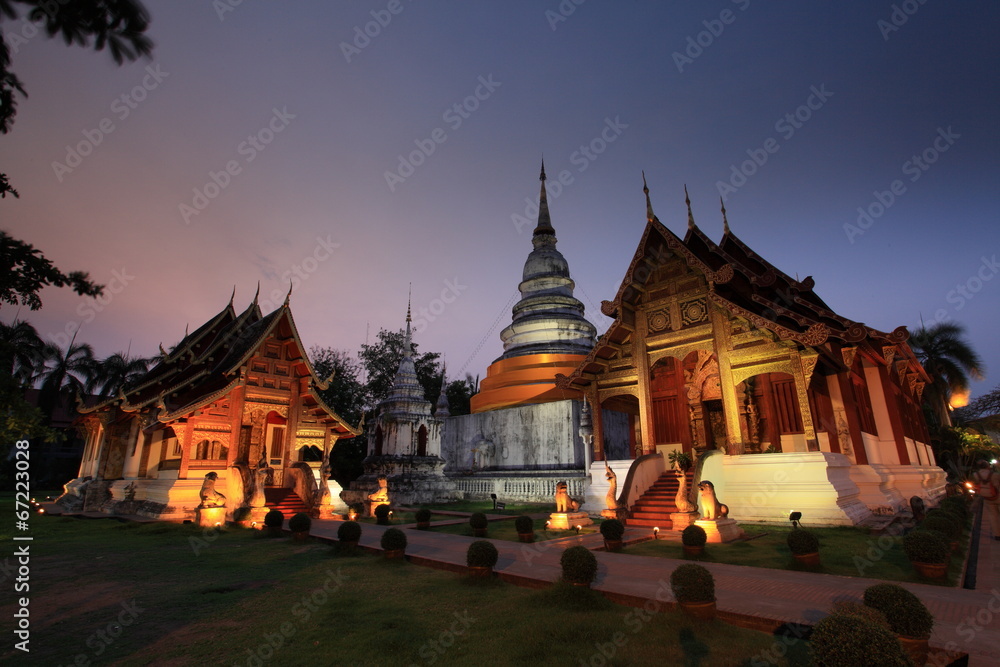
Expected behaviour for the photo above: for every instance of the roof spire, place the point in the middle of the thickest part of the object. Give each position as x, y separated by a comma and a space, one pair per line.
687, 200
650, 216
544, 221
233, 296
725, 221
288, 297
408, 341
256, 294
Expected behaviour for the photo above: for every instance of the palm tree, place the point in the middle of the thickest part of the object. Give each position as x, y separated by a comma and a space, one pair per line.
21, 352
949, 361
116, 372
65, 373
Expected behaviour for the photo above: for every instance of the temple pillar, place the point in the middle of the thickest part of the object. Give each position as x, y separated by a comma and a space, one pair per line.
802, 370
730, 405
597, 422
183, 433
646, 429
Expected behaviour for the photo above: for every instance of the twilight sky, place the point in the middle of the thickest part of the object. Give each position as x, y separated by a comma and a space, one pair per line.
279, 141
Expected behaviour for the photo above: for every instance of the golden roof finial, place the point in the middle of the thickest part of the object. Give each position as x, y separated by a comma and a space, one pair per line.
725, 221
650, 216
687, 200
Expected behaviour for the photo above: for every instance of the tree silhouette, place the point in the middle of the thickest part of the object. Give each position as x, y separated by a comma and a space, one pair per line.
24, 271
949, 360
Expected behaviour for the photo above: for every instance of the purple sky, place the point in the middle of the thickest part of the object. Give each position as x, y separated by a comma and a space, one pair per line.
309, 118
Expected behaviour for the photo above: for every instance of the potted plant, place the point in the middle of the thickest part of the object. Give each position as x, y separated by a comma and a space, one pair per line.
694, 590
241, 517
680, 460
579, 565
348, 533
481, 557
849, 640
928, 552
354, 511
479, 523
525, 527
612, 530
273, 521
693, 538
944, 523
804, 547
423, 518
394, 543
382, 513
300, 524
908, 617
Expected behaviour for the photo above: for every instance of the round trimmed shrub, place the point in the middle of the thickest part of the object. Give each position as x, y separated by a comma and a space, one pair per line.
394, 540
478, 521
692, 583
382, 515
926, 546
481, 553
423, 515
846, 640
694, 536
524, 524
349, 531
612, 529
579, 565
956, 504
300, 523
904, 611
802, 542
870, 614
946, 524
274, 519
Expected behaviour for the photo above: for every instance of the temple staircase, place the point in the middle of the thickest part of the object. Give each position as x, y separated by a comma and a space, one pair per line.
284, 500
655, 505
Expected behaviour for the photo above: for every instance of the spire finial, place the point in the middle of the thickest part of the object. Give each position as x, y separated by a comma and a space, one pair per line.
288, 296
186, 324
256, 294
650, 216
408, 341
232, 296
725, 221
544, 221
687, 200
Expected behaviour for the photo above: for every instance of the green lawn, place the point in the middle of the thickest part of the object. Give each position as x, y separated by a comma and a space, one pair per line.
847, 551
167, 594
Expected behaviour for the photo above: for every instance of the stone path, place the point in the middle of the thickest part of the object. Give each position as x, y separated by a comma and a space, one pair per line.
966, 621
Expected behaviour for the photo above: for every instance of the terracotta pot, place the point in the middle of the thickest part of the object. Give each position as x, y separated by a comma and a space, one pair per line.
348, 545
580, 584
811, 560
930, 570
423, 525
693, 551
479, 532
613, 545
480, 572
703, 611
526, 537
915, 647
394, 553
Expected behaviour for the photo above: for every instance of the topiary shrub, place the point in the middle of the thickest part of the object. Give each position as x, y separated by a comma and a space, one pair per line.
870, 614
692, 583
274, 519
904, 611
944, 523
612, 529
579, 565
481, 553
957, 506
846, 640
349, 531
300, 523
393, 540
524, 524
423, 515
926, 546
478, 521
382, 515
694, 536
802, 542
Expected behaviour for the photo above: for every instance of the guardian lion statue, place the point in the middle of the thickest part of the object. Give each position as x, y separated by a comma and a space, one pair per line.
563, 502
711, 508
209, 496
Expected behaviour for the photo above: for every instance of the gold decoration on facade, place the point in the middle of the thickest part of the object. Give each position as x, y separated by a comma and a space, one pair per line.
694, 312
849, 353
887, 353
659, 320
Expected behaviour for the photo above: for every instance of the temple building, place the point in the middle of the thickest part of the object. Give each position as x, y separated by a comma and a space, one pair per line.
237, 397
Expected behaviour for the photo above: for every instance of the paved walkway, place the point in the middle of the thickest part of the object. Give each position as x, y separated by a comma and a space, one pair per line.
966, 621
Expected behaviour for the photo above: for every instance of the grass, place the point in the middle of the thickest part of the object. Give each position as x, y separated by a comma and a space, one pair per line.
203, 597
845, 551
504, 530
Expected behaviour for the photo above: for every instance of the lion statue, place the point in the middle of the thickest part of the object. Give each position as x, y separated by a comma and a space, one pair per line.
209, 496
611, 499
711, 508
380, 497
563, 502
